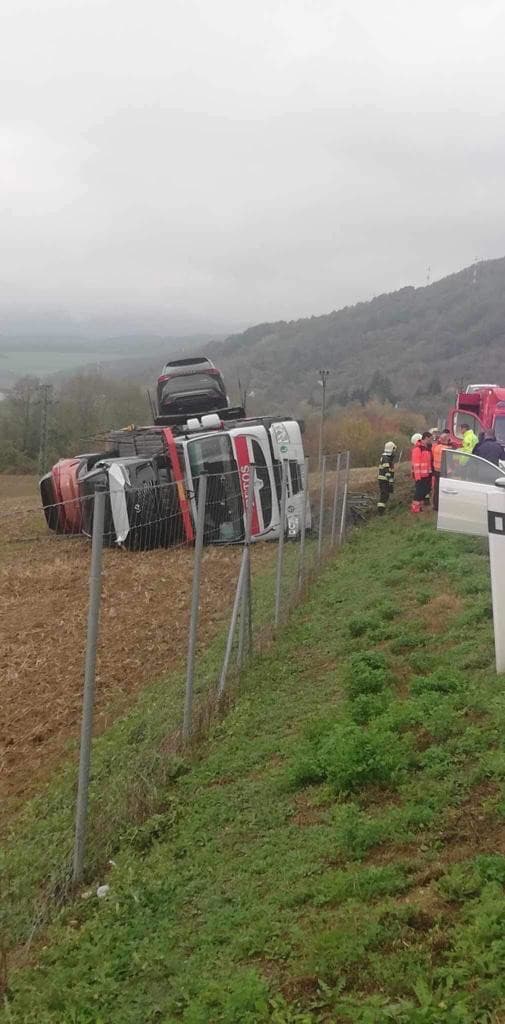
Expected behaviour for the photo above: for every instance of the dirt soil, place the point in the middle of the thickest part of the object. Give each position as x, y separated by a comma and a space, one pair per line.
43, 606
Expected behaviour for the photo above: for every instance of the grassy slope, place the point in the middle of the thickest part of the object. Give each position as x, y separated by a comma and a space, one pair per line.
132, 763
336, 852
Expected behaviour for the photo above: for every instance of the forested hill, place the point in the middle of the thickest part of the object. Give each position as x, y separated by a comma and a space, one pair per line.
414, 343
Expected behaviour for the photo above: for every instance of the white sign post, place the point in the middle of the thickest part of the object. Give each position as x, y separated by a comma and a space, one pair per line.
496, 528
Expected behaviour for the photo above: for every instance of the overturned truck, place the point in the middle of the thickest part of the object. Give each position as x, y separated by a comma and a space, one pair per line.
151, 475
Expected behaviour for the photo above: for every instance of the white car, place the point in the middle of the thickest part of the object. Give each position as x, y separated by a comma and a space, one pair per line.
466, 481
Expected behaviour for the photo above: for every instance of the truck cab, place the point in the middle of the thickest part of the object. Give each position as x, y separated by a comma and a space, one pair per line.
226, 455
482, 407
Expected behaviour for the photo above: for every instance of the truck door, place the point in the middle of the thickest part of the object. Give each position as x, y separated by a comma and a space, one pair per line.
459, 418
465, 482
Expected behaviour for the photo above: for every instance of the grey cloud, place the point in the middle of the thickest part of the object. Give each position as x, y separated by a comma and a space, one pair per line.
236, 162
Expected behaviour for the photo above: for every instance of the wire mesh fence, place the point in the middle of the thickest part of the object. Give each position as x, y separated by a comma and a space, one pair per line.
160, 626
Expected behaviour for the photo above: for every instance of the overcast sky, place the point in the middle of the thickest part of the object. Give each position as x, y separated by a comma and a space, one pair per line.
222, 162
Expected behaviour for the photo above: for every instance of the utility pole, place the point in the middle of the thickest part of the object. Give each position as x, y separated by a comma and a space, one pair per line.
151, 404
242, 394
476, 267
323, 379
44, 418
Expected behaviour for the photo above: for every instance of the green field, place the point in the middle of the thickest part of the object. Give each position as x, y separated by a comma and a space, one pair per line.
336, 850
41, 363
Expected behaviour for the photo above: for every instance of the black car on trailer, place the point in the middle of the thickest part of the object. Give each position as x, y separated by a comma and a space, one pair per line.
189, 387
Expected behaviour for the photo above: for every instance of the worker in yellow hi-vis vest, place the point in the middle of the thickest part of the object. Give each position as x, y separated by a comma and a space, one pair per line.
469, 438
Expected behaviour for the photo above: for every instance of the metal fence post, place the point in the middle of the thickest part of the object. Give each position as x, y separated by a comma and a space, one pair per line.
243, 620
321, 508
195, 602
245, 629
335, 501
344, 499
95, 591
303, 524
241, 584
232, 626
280, 549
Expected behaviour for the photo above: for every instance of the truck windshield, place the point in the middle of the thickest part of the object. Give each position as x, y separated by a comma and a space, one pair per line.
223, 506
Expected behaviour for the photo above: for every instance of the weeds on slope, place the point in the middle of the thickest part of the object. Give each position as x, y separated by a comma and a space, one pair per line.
133, 763
337, 852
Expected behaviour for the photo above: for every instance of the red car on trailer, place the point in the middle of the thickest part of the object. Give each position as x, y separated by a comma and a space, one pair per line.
60, 495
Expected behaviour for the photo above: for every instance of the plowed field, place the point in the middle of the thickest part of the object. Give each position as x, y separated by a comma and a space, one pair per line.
43, 605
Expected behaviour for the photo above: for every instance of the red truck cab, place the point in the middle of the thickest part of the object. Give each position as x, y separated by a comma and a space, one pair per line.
482, 407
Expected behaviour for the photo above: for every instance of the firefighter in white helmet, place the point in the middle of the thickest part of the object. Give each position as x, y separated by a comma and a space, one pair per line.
386, 476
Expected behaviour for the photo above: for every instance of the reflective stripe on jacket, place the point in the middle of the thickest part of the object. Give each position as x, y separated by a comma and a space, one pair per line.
386, 468
421, 461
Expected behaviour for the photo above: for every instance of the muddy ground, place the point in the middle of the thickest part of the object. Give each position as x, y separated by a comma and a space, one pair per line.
43, 605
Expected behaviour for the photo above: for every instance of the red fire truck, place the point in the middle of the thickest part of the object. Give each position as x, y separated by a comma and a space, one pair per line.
481, 407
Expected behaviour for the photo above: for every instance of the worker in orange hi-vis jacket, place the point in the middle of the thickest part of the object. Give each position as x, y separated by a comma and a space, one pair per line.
413, 440
444, 442
422, 468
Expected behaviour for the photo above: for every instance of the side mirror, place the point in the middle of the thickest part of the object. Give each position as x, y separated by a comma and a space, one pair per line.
500, 482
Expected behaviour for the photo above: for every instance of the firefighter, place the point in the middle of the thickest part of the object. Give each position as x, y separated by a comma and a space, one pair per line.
422, 467
386, 475
444, 441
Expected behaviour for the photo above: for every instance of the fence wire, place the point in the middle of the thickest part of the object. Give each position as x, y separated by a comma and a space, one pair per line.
141, 653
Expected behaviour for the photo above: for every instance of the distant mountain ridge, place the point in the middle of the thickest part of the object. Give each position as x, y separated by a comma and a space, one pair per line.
411, 345
422, 339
